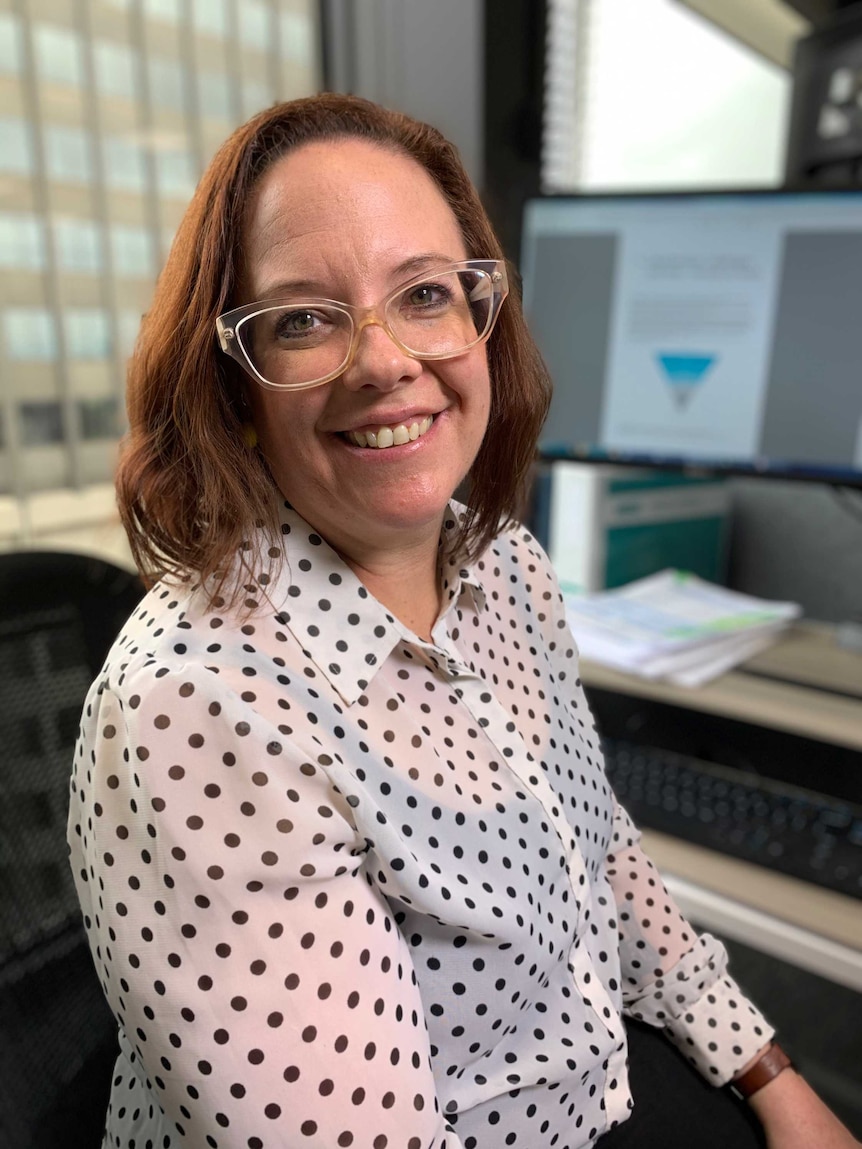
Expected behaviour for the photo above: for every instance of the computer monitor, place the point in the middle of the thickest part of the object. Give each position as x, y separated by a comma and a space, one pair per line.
719, 331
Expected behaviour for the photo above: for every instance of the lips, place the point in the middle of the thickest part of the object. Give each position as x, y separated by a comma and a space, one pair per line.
390, 435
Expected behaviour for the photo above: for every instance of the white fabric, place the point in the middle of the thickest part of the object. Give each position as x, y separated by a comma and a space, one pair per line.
345, 887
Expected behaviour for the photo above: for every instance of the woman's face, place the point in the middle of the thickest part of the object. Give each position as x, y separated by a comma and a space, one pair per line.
351, 221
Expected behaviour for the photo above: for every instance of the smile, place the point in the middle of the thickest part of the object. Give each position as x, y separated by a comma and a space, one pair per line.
395, 436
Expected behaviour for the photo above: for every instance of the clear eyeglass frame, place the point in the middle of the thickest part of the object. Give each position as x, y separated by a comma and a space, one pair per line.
229, 324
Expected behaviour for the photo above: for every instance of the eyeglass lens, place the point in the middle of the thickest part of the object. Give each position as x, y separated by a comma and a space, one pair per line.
294, 345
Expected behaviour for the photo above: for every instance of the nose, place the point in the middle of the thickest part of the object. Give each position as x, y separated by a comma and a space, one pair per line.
378, 361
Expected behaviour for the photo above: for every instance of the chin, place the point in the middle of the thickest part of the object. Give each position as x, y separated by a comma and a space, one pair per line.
409, 506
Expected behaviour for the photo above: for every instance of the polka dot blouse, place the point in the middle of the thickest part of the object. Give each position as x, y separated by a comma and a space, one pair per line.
346, 887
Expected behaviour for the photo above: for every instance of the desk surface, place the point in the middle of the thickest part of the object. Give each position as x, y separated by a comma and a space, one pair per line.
805, 706
801, 702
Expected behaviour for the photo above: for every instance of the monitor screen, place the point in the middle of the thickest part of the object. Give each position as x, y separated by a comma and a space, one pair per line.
714, 330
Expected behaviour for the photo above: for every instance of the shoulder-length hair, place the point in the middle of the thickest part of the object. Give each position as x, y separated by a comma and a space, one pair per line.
189, 489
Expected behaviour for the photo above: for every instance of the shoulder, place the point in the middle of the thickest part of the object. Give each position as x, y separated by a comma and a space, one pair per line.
517, 558
173, 641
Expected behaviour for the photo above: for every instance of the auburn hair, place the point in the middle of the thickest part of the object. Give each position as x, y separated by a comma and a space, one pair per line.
189, 489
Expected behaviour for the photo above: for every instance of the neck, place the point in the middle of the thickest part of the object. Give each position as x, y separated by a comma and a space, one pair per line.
405, 582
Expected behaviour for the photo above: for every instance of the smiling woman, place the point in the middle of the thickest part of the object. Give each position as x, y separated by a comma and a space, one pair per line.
350, 867
242, 242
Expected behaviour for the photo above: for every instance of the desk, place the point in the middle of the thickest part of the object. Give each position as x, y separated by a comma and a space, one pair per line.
805, 685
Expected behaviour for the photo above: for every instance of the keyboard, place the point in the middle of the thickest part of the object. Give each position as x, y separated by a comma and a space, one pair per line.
799, 832
770, 797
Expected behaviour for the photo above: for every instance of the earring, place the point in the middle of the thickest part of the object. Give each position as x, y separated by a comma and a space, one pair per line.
249, 436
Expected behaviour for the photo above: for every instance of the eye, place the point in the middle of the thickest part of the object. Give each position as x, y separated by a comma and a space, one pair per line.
426, 296
291, 323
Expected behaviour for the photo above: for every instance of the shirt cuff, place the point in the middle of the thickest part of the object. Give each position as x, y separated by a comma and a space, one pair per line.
705, 1013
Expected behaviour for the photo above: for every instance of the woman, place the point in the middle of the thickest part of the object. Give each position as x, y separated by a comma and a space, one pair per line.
350, 868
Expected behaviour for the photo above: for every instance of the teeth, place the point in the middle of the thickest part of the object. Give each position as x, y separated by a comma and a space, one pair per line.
390, 436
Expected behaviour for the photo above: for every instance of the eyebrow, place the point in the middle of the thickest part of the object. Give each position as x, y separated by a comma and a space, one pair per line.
402, 270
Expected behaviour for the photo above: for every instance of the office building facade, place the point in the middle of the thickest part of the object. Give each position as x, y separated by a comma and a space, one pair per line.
109, 112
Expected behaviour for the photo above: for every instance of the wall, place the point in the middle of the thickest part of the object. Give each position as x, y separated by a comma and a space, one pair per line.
798, 541
420, 57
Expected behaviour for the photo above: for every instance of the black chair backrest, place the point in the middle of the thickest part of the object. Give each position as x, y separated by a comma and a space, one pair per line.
59, 614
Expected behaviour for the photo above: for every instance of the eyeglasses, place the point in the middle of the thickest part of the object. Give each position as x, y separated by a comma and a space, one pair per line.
291, 344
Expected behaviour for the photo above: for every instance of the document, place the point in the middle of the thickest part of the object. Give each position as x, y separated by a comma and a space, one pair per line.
675, 626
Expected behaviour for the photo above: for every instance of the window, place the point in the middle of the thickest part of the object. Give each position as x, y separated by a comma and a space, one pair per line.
68, 154
16, 147
168, 10
88, 334
41, 423
98, 418
296, 38
116, 70
22, 241
129, 324
124, 164
29, 334
58, 55
210, 16
132, 249
255, 97
214, 95
78, 245
10, 44
167, 82
708, 111
174, 174
254, 24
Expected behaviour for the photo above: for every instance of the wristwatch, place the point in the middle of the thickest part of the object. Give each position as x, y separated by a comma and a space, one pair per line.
767, 1067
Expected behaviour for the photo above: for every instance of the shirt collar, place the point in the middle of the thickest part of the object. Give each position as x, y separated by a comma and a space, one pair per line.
347, 632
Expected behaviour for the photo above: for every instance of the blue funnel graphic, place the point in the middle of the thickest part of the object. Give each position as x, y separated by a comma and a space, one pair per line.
684, 373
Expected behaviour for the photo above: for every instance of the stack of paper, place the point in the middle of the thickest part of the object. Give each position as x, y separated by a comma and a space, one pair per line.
675, 626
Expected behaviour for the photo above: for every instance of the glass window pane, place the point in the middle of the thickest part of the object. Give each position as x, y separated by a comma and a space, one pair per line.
16, 147
210, 16
297, 41
167, 82
58, 55
68, 154
88, 333
78, 245
116, 71
255, 97
98, 418
10, 44
29, 333
254, 24
124, 164
22, 241
214, 95
129, 322
163, 10
174, 174
40, 423
133, 250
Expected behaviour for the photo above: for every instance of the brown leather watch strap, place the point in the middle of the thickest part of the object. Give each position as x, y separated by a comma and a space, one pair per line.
773, 1062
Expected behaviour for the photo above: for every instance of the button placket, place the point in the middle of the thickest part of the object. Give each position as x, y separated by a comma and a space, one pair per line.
530, 774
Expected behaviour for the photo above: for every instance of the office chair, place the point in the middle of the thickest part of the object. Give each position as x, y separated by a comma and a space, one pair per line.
59, 614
